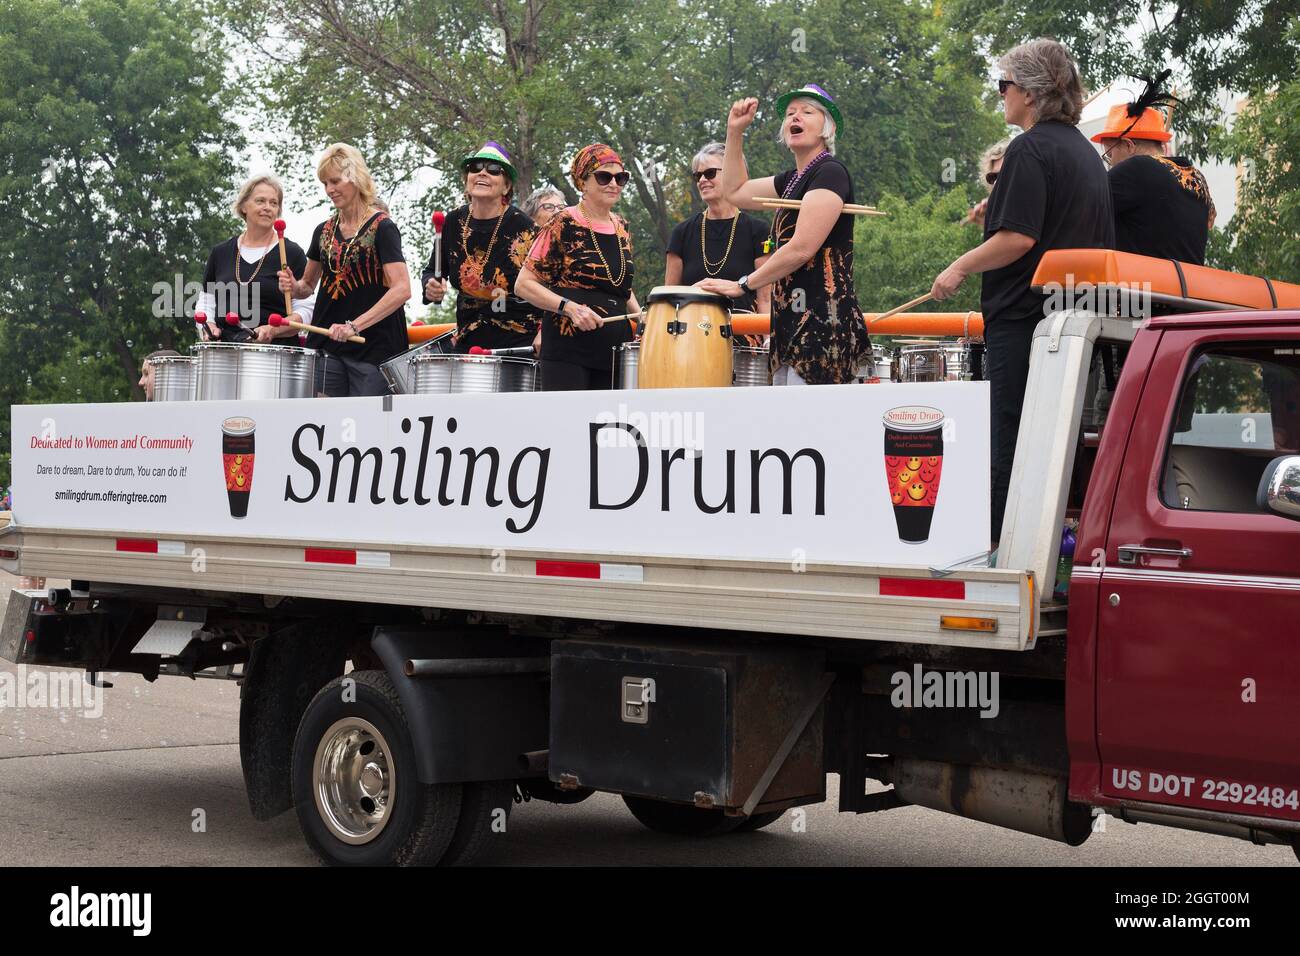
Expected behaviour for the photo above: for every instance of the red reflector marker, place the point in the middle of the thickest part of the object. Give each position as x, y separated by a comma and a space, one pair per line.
137, 545
330, 556
921, 588
568, 569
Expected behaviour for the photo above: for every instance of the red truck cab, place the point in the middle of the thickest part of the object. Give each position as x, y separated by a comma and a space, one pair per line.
1183, 654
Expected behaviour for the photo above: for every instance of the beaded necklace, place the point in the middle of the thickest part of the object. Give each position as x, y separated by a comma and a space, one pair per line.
711, 270
464, 240
340, 258
769, 244
239, 254
618, 241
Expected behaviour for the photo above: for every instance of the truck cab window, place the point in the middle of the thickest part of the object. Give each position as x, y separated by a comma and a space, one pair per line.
1239, 407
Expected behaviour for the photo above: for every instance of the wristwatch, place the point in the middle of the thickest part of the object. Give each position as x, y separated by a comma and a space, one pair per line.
743, 282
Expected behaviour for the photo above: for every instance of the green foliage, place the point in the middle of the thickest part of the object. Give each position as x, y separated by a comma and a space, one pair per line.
896, 258
1263, 237
419, 83
1214, 44
116, 161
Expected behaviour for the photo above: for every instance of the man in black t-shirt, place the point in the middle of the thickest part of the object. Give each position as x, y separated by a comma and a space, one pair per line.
1051, 193
1162, 203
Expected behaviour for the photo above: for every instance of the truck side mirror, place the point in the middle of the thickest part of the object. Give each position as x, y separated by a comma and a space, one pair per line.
1279, 488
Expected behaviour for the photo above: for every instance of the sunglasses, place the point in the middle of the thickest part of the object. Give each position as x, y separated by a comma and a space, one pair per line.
604, 176
706, 174
990, 178
1003, 84
479, 165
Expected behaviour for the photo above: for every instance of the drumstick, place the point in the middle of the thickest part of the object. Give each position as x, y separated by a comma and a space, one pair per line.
618, 318
902, 308
278, 319
439, 217
852, 209
516, 350
284, 265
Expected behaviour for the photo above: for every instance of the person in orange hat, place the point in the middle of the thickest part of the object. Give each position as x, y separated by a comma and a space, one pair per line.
1162, 203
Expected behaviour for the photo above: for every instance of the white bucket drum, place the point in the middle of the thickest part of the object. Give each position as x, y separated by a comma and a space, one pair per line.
627, 357
397, 370
173, 378
750, 366
437, 374
227, 371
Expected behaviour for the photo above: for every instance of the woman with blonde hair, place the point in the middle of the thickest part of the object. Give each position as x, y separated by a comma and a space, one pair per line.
1051, 193
356, 257
241, 273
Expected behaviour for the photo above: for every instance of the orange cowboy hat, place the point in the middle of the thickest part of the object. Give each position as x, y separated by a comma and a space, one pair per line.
1120, 124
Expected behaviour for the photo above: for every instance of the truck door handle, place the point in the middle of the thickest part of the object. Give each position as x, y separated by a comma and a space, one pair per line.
1128, 553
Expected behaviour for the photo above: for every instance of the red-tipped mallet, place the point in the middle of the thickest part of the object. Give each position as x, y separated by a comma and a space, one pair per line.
517, 350
278, 319
439, 217
284, 264
201, 320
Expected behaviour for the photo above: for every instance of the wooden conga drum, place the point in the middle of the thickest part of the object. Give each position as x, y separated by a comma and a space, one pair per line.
686, 342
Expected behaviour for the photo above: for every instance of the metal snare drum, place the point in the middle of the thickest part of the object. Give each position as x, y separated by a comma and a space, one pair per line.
627, 358
964, 361
227, 371
884, 364
750, 366
941, 362
173, 378
397, 370
436, 374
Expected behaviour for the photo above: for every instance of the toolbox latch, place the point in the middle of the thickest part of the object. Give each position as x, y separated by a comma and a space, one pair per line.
638, 695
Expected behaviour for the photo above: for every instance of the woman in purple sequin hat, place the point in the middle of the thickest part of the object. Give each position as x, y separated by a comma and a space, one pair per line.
818, 334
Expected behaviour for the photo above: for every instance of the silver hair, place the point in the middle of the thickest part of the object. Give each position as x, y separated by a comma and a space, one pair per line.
712, 149
828, 125
246, 193
1045, 68
530, 205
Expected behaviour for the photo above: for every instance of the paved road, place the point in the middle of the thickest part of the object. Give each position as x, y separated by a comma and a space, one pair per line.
123, 788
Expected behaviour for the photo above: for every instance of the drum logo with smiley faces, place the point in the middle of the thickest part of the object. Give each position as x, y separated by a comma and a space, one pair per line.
913, 467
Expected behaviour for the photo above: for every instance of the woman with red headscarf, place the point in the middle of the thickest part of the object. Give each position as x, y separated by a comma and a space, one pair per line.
580, 270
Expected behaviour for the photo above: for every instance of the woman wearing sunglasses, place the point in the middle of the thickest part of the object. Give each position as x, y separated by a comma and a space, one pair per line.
721, 242
484, 244
818, 334
580, 270
990, 165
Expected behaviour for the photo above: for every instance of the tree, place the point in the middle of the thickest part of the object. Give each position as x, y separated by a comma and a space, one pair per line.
118, 147
1213, 45
420, 83
897, 258
1263, 237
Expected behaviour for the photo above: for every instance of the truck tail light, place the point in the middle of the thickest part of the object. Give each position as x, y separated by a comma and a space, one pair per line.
985, 625
8, 554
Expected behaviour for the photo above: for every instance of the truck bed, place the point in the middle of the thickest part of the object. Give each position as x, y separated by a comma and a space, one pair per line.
988, 608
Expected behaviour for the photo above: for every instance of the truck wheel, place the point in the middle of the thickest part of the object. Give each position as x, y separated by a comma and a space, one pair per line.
484, 810
355, 788
679, 819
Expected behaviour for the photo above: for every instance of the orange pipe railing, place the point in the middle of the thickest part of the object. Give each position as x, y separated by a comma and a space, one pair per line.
908, 323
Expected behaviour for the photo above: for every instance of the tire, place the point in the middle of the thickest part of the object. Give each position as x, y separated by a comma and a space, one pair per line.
680, 819
475, 837
759, 820
355, 789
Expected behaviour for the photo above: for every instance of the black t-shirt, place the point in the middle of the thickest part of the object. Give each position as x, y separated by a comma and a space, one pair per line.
1052, 187
256, 296
485, 278
352, 281
1162, 208
746, 246
817, 327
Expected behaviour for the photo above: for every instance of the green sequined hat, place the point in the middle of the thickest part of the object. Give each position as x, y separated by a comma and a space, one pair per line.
813, 92
493, 153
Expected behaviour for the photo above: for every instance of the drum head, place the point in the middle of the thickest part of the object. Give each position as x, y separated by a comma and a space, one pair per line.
679, 294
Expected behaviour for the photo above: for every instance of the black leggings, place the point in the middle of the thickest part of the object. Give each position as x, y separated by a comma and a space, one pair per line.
1006, 365
568, 377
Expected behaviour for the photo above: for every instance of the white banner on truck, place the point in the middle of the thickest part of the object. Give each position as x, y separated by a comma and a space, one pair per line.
893, 474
